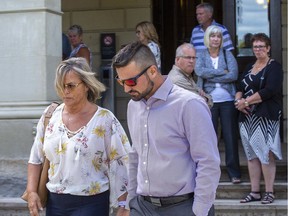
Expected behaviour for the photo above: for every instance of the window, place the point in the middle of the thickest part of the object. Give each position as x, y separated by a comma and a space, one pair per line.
251, 17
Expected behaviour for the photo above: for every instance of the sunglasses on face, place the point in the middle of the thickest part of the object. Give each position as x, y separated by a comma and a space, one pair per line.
133, 80
71, 86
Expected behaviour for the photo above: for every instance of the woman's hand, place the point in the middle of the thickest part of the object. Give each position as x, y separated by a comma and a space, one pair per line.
240, 105
34, 204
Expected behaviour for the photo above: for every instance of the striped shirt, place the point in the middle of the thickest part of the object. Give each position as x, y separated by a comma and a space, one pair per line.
197, 38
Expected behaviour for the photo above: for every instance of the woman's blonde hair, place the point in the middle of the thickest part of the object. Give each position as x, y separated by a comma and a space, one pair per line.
212, 30
149, 31
82, 69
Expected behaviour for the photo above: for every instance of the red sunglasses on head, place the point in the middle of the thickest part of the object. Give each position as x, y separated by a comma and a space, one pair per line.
133, 80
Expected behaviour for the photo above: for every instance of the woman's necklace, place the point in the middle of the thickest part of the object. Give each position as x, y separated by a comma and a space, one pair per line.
258, 66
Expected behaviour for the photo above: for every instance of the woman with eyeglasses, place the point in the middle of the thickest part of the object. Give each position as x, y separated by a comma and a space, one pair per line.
217, 71
75, 34
259, 100
86, 146
146, 33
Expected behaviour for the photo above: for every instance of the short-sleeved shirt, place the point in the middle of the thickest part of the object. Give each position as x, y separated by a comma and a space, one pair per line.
94, 160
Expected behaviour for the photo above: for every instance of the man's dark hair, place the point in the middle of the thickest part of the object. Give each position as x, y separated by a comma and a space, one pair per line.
137, 52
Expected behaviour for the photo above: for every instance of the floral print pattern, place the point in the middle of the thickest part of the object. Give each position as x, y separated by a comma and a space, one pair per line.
94, 160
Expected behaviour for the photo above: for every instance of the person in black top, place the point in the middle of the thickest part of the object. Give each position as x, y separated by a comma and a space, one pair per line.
259, 100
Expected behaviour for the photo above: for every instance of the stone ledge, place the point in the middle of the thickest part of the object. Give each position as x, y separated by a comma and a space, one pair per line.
12, 203
280, 204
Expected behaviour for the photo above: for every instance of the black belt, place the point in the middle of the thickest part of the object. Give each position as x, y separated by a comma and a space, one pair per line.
166, 201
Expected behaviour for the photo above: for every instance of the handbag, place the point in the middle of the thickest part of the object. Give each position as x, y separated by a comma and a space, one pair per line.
43, 179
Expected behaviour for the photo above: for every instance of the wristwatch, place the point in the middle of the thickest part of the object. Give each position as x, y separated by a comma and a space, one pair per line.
246, 103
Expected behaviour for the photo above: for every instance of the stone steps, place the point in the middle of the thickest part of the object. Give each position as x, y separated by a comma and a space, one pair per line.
227, 190
228, 195
281, 172
223, 207
232, 207
227, 198
14, 207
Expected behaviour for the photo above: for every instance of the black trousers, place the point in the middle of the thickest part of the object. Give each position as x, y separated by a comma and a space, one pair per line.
71, 205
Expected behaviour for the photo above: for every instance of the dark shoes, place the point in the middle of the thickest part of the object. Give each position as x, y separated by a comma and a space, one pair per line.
268, 198
256, 196
235, 180
251, 197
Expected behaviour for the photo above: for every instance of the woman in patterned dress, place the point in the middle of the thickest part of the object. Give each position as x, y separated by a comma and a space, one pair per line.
260, 100
86, 146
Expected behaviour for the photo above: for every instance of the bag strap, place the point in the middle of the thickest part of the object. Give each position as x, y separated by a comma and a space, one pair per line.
263, 74
49, 113
224, 53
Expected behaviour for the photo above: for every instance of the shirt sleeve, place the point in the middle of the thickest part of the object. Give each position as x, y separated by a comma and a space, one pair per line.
204, 67
232, 67
204, 152
133, 165
118, 155
37, 153
272, 81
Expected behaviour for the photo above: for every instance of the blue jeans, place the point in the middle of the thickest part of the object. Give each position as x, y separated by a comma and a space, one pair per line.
72, 205
228, 119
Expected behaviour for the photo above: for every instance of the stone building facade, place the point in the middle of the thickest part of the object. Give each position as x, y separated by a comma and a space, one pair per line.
31, 50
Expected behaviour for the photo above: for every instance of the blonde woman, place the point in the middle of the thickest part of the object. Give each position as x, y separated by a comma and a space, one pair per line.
217, 71
86, 146
147, 34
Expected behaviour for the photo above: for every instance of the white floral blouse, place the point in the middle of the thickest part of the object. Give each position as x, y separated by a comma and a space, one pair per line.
94, 160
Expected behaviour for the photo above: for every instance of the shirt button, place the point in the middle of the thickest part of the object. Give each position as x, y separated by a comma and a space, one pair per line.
145, 125
145, 145
144, 162
148, 108
146, 181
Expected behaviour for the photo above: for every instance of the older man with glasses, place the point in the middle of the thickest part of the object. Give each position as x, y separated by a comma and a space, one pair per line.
181, 72
174, 166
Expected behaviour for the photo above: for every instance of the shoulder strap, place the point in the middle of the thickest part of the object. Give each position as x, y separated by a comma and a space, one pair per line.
263, 74
224, 53
49, 113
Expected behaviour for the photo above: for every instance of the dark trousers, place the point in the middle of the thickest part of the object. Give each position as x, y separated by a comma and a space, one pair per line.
71, 205
140, 207
227, 114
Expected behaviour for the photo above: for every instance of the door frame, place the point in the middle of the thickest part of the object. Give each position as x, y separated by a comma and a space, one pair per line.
274, 16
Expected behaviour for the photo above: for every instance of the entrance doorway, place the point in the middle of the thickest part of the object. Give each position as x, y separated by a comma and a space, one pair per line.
174, 21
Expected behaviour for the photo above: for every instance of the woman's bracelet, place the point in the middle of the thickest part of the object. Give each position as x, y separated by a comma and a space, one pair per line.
122, 203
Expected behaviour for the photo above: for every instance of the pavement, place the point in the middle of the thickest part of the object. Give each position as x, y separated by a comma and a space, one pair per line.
11, 186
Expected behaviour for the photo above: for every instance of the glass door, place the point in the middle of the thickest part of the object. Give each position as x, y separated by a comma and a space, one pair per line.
251, 17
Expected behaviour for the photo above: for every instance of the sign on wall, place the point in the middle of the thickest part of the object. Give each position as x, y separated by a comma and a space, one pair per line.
108, 46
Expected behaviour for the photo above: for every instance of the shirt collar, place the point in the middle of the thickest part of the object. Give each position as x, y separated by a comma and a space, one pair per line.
213, 23
175, 67
163, 91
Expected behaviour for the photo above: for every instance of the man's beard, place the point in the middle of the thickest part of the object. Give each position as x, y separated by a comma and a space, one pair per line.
139, 96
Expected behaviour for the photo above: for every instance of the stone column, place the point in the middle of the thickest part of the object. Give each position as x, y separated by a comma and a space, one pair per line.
31, 49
